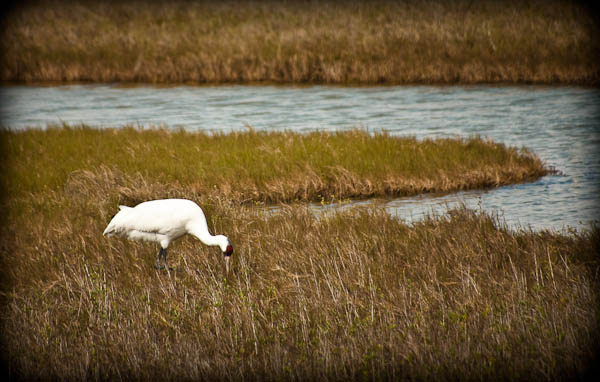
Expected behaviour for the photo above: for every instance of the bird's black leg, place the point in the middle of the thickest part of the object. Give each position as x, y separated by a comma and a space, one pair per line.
157, 262
161, 254
165, 259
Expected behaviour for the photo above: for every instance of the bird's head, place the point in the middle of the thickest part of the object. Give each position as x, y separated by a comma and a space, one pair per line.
227, 249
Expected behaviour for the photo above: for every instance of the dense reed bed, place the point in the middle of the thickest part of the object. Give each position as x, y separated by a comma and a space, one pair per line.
341, 42
260, 166
352, 295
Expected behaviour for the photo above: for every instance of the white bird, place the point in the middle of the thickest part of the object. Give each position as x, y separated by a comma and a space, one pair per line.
163, 221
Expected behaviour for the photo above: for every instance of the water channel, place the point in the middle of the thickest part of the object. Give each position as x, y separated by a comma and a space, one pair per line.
560, 124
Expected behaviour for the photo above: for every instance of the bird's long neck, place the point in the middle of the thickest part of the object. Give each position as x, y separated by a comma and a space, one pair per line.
201, 232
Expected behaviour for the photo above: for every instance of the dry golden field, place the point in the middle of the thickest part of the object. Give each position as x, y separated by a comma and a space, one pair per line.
334, 42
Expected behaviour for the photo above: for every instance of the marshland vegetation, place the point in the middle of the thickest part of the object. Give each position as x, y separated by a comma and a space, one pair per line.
335, 42
264, 166
355, 294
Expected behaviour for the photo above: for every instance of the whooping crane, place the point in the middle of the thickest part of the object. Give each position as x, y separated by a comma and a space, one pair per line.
163, 221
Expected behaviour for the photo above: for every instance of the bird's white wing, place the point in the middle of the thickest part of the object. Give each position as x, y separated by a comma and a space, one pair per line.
164, 217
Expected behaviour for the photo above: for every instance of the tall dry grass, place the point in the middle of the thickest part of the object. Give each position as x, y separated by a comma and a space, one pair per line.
352, 295
338, 42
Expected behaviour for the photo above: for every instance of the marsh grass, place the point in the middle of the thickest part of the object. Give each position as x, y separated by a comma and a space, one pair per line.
355, 294
338, 42
258, 166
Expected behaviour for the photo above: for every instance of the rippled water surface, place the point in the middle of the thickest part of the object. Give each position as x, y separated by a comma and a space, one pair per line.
560, 124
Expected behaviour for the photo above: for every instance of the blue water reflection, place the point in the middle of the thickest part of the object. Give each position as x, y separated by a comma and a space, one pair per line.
560, 124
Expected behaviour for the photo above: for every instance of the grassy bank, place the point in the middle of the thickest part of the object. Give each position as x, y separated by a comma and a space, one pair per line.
302, 42
256, 166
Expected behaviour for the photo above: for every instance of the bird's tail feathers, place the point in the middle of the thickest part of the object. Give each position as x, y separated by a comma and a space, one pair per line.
114, 223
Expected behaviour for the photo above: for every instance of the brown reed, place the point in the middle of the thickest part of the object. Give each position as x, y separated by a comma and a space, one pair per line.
336, 42
354, 295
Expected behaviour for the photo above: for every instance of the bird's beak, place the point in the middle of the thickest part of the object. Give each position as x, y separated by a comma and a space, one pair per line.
227, 256
227, 259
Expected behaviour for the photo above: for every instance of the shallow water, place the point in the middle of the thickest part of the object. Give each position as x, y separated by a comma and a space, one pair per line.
560, 124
